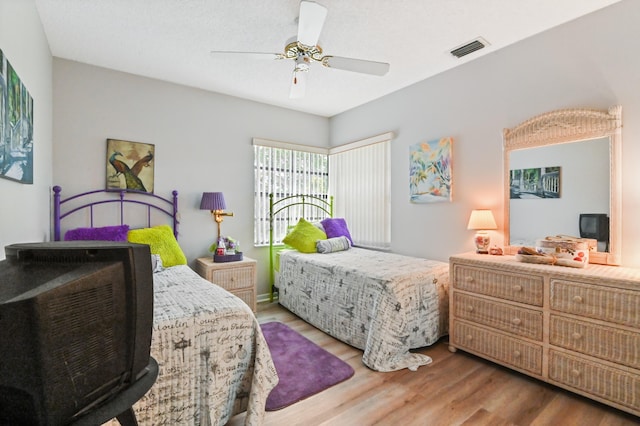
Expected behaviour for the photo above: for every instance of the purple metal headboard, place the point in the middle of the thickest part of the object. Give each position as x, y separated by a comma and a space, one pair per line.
171, 209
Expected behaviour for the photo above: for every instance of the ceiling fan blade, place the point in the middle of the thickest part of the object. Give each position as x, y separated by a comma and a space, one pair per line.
252, 55
310, 22
356, 65
298, 84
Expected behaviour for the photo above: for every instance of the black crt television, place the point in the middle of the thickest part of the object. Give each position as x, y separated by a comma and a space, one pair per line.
594, 226
75, 327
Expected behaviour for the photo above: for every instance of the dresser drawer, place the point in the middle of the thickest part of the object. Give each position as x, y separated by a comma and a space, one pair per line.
604, 303
608, 383
514, 352
609, 343
502, 316
234, 278
517, 287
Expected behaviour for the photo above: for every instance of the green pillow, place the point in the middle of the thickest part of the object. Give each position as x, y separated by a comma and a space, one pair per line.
161, 241
304, 236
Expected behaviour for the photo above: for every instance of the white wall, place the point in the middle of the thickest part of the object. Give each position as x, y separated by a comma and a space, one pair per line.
203, 142
585, 63
25, 209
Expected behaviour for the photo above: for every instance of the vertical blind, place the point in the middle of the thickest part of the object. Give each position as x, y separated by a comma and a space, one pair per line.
360, 182
284, 169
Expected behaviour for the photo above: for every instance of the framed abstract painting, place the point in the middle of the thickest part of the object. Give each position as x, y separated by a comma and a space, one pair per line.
130, 166
430, 171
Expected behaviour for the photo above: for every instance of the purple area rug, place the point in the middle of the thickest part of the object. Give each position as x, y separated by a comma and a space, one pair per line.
303, 367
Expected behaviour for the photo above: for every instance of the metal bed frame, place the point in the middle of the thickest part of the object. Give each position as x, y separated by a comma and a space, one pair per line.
290, 209
152, 202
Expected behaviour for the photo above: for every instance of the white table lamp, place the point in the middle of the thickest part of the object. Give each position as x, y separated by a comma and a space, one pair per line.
482, 221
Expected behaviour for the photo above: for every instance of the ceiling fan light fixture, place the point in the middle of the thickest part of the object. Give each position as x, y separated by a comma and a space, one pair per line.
302, 64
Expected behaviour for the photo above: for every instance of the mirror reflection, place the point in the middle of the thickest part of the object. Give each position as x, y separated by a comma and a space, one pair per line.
550, 186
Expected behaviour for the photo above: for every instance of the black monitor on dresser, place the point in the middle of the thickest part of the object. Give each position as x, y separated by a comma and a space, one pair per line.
595, 226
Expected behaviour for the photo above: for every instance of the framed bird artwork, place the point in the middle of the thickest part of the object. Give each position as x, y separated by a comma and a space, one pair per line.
130, 166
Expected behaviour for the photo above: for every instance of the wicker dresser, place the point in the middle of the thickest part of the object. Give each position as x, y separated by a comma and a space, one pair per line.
575, 328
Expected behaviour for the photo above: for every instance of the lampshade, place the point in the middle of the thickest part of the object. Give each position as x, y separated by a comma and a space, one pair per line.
482, 219
212, 201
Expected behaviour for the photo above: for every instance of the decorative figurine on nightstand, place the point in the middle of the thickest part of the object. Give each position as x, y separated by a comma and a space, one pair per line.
221, 248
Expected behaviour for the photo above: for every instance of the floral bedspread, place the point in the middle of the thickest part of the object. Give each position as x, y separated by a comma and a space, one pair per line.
213, 359
382, 303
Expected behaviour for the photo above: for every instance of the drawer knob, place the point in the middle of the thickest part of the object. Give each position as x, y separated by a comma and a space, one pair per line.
468, 279
516, 321
577, 299
470, 308
469, 337
517, 287
576, 336
575, 373
232, 279
516, 354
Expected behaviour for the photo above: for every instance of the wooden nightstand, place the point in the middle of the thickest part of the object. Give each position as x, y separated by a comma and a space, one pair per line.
237, 277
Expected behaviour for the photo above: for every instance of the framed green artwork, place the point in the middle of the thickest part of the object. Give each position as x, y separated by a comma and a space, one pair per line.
537, 182
16, 126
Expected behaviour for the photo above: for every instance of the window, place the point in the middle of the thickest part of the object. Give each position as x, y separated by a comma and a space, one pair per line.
284, 169
360, 182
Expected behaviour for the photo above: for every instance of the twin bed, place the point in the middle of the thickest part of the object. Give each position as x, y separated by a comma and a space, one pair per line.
383, 303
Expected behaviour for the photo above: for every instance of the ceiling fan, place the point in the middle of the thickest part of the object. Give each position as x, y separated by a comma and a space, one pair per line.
304, 49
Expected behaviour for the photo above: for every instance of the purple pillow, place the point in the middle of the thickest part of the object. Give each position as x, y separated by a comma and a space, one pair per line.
336, 227
105, 233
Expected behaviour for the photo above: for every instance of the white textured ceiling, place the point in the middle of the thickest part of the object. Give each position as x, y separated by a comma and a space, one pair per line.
171, 39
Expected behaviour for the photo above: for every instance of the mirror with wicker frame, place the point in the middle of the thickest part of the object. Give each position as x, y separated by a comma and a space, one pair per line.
568, 126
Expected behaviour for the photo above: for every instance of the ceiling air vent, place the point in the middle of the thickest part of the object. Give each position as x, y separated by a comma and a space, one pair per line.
470, 47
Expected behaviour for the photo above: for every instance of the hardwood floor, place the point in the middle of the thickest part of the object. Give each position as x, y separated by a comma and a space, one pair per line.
456, 389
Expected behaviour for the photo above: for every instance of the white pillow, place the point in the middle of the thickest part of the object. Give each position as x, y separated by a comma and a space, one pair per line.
156, 263
331, 245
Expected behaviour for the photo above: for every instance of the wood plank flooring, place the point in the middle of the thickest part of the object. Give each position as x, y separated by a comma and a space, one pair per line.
456, 389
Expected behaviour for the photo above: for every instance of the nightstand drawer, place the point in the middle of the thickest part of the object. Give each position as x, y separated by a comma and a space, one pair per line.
517, 287
234, 279
248, 296
502, 316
